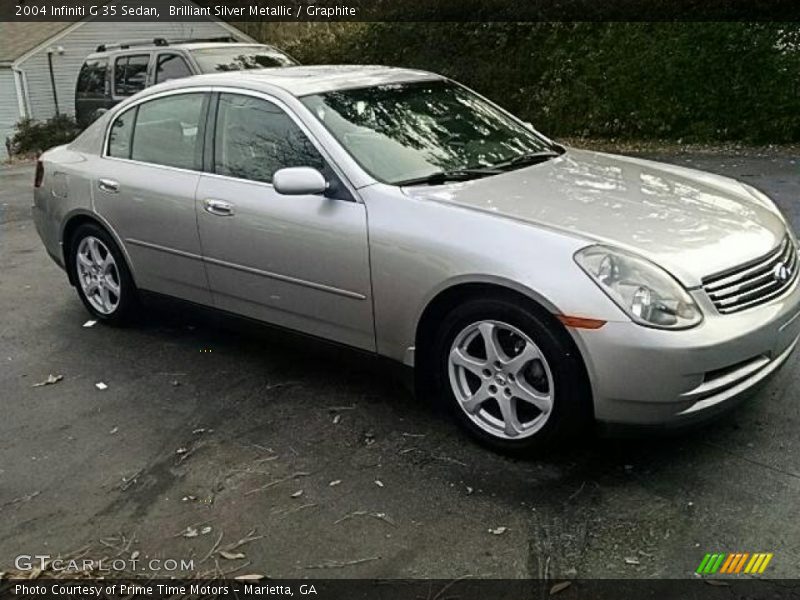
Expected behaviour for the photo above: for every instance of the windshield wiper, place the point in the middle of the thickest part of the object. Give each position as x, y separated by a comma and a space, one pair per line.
524, 160
441, 177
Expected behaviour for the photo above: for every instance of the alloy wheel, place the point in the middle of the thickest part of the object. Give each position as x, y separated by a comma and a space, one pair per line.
98, 275
501, 379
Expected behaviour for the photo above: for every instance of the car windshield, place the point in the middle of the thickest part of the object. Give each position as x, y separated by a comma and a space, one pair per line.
418, 131
239, 58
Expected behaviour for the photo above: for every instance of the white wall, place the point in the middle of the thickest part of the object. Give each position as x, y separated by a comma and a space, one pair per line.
9, 108
83, 40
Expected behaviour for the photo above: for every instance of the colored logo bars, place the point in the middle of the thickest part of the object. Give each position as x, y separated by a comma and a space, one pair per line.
737, 562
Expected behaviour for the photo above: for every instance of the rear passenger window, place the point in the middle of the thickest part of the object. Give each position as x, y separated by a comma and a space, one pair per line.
254, 138
92, 82
119, 140
171, 66
130, 74
167, 131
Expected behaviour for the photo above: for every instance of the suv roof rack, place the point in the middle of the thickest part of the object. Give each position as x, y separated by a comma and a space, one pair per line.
162, 42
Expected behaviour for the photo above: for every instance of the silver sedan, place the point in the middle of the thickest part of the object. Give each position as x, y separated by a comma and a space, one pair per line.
535, 288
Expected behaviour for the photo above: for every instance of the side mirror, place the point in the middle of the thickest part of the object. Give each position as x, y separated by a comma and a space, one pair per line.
299, 181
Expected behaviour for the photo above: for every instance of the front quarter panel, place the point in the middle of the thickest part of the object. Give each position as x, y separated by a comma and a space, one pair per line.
419, 248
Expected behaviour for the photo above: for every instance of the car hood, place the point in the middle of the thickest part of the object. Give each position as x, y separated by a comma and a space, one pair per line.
690, 222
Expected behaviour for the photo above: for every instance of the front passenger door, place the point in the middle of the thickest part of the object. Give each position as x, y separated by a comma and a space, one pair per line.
297, 261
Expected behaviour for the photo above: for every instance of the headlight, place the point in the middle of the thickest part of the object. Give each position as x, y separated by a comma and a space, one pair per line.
647, 293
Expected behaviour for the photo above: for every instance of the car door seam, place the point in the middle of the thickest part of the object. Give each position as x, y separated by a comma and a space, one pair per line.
222, 263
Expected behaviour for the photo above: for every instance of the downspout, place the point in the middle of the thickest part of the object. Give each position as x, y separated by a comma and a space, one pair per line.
52, 78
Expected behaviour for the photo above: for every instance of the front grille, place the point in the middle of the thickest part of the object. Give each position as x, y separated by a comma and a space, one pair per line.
755, 282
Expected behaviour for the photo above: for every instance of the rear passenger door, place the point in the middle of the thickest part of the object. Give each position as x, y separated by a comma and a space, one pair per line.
146, 191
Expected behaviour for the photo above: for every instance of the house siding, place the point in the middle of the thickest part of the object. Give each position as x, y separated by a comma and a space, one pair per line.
82, 41
9, 108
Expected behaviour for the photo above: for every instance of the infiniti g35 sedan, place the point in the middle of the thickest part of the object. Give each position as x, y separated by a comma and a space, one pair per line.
534, 288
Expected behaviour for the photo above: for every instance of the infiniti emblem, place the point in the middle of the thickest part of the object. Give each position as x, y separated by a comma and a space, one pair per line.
781, 273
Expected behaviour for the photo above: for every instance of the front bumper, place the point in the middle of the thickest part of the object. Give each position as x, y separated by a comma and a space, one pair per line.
643, 376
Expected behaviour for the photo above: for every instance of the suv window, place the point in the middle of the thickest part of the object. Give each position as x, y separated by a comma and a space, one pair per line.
171, 66
92, 82
238, 58
167, 131
254, 138
130, 74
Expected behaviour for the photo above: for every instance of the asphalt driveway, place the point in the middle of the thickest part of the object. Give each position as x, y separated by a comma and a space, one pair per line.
312, 461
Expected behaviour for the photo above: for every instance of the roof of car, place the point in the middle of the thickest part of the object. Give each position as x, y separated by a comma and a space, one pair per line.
305, 80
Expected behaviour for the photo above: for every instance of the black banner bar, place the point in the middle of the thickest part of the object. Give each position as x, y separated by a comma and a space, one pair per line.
401, 10
354, 589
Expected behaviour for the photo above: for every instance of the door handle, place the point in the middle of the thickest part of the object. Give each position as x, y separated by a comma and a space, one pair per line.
219, 208
108, 185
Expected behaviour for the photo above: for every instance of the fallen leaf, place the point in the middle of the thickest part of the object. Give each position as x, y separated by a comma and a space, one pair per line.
632, 561
228, 555
181, 450
379, 483
335, 482
206, 530
559, 587
51, 379
249, 577
90, 323
114, 430
135, 555
336, 419
190, 532
498, 531
469, 490
297, 494
100, 385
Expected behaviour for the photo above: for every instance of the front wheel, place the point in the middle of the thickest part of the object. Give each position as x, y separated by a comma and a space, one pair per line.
510, 378
104, 283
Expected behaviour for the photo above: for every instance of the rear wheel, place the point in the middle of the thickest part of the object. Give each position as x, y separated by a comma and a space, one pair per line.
102, 278
510, 378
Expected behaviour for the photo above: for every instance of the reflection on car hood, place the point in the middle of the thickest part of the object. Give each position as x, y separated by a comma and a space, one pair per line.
690, 222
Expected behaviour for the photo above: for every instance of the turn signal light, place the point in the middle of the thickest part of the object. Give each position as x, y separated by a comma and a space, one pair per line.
580, 322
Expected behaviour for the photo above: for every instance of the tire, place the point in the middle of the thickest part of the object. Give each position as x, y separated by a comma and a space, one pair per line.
104, 284
503, 402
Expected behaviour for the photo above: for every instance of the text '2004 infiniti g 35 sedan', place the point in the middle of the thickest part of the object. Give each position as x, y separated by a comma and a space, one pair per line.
534, 288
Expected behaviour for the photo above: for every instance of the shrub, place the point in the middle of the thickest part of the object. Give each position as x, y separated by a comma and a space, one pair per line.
31, 137
696, 81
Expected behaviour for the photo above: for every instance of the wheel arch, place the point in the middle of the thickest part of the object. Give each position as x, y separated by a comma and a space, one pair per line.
448, 298
71, 224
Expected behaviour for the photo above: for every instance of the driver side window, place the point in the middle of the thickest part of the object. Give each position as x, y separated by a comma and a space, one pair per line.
254, 138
